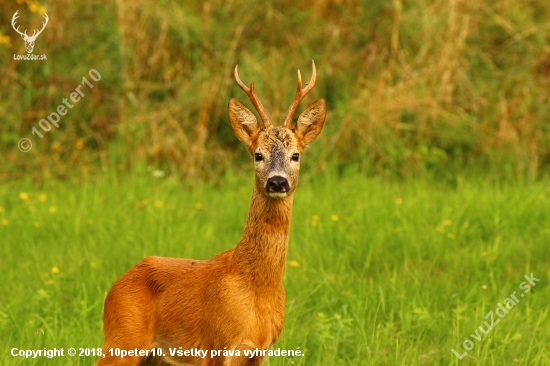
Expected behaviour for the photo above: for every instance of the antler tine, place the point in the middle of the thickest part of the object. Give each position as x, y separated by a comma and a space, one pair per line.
13, 21
300, 94
253, 98
43, 24
46, 18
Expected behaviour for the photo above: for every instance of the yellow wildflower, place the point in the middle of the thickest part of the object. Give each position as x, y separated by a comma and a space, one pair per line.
79, 143
56, 147
42, 197
5, 222
5, 40
53, 209
36, 7
55, 270
294, 263
24, 196
334, 218
314, 220
158, 203
447, 222
399, 201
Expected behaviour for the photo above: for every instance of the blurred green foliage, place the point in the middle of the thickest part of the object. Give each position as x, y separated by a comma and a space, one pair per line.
413, 88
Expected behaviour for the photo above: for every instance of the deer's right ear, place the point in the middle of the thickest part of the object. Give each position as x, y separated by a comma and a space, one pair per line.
244, 123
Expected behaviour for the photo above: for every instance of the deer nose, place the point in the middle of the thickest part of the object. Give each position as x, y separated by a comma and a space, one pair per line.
277, 184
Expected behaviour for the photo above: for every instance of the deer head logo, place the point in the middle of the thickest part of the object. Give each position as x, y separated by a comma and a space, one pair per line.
29, 40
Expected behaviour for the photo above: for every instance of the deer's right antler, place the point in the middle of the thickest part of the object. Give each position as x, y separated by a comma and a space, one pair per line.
254, 99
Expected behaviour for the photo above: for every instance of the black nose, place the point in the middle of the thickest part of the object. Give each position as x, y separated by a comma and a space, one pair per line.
277, 184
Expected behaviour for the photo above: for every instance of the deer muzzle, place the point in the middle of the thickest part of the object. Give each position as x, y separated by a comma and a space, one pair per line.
277, 186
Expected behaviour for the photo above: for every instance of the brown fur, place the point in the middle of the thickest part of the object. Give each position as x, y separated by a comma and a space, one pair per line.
235, 300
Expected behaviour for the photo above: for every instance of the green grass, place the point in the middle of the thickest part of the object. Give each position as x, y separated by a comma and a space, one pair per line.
380, 272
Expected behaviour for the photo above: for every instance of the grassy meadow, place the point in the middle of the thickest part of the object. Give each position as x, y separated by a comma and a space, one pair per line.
378, 272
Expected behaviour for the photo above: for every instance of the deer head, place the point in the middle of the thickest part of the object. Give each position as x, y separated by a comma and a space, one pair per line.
277, 150
29, 40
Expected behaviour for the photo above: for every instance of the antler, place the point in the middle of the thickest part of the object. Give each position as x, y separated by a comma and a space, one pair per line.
13, 19
300, 94
254, 99
35, 34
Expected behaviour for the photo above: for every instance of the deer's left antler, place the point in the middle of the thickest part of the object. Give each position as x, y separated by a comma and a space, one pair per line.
300, 94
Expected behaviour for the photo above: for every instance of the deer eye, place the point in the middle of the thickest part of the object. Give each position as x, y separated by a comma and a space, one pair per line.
295, 157
258, 157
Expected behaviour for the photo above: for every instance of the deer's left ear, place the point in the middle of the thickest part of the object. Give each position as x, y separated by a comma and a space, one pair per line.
310, 123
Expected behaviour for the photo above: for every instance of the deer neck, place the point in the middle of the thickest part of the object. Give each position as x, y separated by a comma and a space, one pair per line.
261, 252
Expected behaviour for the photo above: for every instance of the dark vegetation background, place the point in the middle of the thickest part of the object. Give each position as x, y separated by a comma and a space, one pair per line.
422, 205
414, 88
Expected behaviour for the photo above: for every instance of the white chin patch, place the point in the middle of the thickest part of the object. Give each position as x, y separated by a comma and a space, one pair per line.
278, 194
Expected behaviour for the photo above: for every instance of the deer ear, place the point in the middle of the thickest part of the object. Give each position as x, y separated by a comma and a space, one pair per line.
244, 123
310, 123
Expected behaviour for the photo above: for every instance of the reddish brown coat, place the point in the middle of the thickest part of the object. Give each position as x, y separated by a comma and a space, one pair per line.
234, 301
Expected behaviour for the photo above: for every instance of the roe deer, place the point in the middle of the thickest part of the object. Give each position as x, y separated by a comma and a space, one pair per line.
236, 300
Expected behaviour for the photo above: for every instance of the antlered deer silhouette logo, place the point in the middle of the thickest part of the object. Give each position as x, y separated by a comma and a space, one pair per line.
29, 40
